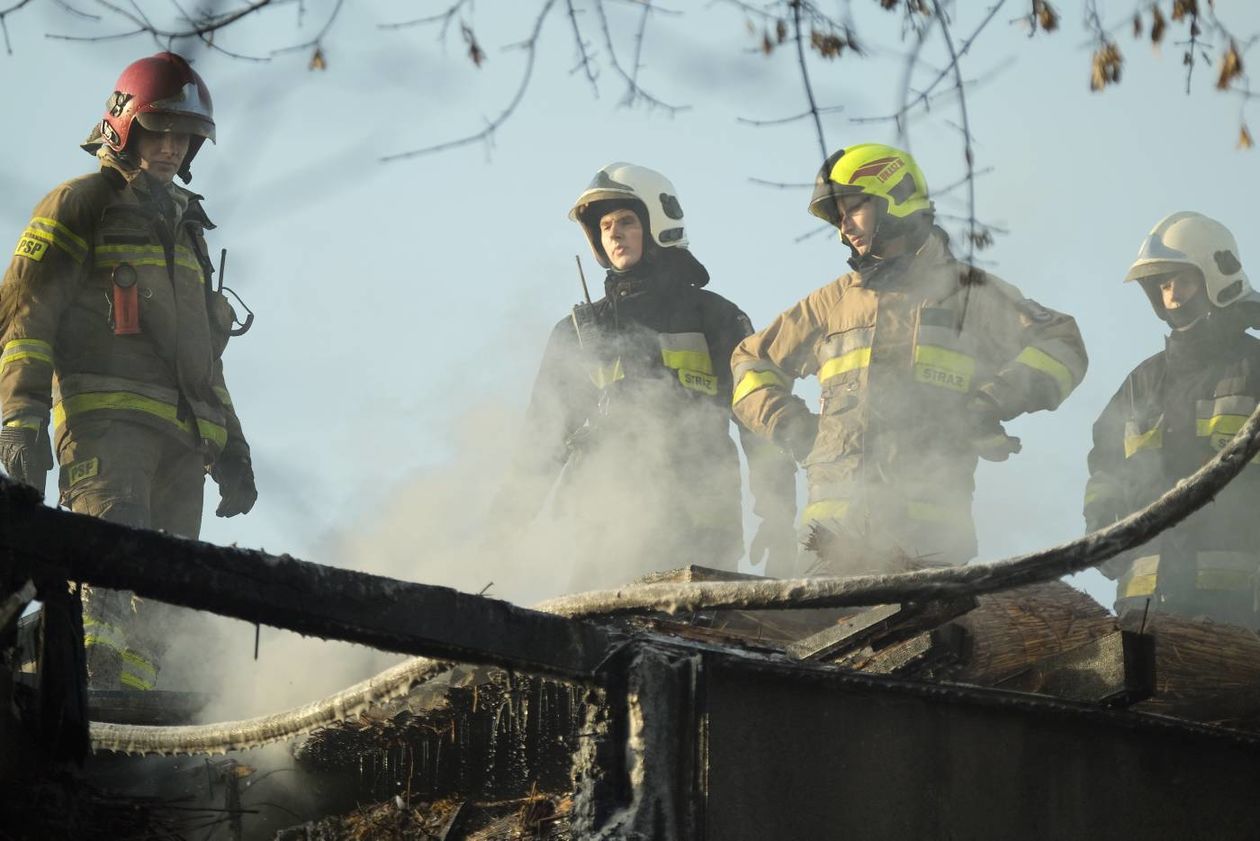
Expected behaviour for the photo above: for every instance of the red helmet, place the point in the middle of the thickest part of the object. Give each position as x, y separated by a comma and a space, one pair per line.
163, 93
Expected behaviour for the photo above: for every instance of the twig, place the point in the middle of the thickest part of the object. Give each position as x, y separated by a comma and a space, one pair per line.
782, 185
634, 92
584, 58
4, 25
809, 88
445, 18
317, 41
834, 109
530, 46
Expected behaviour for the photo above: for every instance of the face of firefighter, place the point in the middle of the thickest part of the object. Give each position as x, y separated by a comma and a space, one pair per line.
1176, 290
621, 235
859, 216
162, 153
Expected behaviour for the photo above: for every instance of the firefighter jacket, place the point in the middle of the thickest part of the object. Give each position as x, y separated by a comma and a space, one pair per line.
636, 412
903, 350
1173, 412
58, 347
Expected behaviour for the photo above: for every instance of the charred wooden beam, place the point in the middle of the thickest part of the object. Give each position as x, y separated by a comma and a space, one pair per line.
284, 592
878, 627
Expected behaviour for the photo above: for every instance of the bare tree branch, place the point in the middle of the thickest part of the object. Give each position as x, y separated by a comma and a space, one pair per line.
835, 109
444, 18
809, 88
584, 57
973, 228
530, 45
634, 92
4, 26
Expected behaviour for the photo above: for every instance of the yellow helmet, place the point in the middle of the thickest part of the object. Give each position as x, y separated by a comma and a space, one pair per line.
870, 169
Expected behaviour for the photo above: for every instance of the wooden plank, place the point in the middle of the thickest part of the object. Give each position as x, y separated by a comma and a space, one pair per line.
281, 591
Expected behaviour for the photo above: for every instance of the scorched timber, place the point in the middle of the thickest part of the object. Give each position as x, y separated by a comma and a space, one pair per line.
284, 592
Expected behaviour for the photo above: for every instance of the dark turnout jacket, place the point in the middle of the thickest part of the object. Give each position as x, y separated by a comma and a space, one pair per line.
1171, 414
636, 413
59, 349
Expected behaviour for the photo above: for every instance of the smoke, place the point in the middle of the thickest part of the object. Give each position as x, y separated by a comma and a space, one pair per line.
658, 489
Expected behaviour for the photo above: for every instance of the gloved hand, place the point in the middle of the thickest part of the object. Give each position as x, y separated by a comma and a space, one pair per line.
25, 451
796, 435
234, 474
776, 543
988, 437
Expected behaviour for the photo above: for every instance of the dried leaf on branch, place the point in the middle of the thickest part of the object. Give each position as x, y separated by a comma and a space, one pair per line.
1231, 67
1105, 67
1245, 140
475, 52
1158, 25
1046, 16
1184, 8
826, 44
317, 61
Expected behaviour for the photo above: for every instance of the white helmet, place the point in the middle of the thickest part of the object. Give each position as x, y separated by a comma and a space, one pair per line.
1192, 239
623, 182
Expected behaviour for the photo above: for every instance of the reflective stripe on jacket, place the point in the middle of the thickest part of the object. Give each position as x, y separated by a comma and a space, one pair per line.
58, 348
899, 352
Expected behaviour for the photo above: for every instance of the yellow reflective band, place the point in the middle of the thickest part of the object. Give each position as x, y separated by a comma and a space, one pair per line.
1152, 439
222, 394
137, 673
126, 401
1039, 360
943, 367
24, 423
604, 377
1141, 578
1137, 586
850, 361
96, 632
53, 226
692, 360
52, 231
698, 381
755, 381
825, 509
1225, 425
26, 349
181, 261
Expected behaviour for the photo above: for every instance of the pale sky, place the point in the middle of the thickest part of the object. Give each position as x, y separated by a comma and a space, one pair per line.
394, 299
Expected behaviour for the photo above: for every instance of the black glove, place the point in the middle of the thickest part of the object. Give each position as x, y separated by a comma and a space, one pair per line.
25, 452
234, 474
777, 544
988, 437
796, 435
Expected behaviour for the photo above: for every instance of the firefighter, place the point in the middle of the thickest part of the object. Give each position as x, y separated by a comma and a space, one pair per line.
110, 324
1171, 414
920, 359
632, 405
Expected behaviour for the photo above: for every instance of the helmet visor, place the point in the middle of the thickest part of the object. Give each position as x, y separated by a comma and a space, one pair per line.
165, 122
